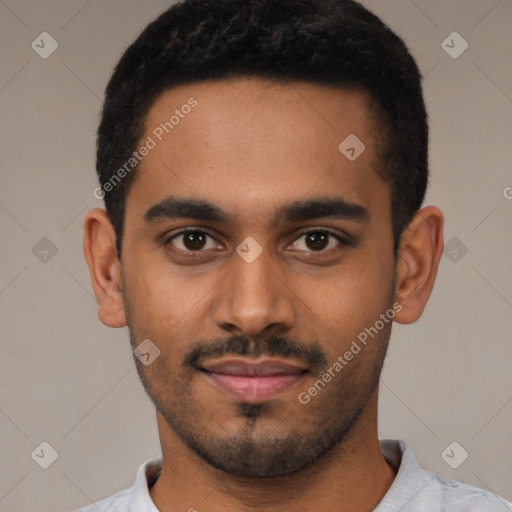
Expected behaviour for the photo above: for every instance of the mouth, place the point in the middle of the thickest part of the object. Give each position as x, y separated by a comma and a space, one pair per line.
252, 380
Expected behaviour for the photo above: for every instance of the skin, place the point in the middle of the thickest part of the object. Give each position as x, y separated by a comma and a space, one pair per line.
251, 146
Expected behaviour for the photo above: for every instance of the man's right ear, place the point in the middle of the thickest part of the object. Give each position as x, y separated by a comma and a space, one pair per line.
104, 267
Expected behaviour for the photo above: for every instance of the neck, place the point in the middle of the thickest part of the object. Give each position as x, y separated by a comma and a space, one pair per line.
355, 476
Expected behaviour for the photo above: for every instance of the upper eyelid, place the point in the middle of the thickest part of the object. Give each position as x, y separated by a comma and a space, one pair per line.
184, 231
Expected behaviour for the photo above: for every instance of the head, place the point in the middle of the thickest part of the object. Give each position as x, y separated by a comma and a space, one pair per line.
325, 42
263, 164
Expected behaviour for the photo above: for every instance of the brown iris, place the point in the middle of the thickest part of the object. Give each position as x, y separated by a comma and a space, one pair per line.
317, 240
194, 240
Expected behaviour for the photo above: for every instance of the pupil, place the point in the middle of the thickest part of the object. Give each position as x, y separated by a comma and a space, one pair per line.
319, 240
194, 240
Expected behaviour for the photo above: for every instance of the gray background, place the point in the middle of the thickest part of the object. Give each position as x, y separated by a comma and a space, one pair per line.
68, 380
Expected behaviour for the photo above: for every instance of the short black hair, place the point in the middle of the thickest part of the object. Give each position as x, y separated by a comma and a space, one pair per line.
327, 42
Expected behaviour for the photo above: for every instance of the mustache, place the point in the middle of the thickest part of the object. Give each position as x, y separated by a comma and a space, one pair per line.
272, 346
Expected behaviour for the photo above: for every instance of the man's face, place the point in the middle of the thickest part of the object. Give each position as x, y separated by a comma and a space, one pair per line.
251, 149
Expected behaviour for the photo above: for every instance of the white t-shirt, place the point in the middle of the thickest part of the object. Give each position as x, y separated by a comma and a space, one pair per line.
413, 490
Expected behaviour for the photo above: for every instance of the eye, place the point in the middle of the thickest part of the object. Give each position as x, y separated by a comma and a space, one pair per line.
317, 240
192, 240
195, 240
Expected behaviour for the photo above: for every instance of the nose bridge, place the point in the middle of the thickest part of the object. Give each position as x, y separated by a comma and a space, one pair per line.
253, 297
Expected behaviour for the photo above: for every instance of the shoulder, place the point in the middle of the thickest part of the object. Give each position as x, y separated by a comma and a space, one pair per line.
418, 490
136, 498
118, 502
458, 496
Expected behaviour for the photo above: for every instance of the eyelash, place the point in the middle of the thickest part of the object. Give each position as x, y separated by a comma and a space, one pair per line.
189, 253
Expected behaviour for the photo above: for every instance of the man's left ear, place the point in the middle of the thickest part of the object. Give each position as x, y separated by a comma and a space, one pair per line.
419, 253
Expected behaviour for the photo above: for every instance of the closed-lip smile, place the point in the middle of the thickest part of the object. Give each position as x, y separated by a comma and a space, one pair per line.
252, 380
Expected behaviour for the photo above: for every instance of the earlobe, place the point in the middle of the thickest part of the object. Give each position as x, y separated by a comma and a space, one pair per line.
421, 247
104, 267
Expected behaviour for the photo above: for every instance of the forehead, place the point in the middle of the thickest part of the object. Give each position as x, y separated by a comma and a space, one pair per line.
250, 144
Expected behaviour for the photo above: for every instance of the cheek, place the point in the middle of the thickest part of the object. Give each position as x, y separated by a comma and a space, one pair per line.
164, 305
352, 296
149, 299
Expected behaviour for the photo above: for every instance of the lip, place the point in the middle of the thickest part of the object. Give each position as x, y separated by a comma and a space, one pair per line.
252, 380
252, 367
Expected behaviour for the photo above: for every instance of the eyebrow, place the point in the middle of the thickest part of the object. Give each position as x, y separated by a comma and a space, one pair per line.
296, 211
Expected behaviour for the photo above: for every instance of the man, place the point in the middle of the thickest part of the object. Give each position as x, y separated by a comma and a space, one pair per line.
263, 165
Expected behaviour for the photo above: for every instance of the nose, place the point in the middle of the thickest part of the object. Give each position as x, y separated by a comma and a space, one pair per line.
254, 299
